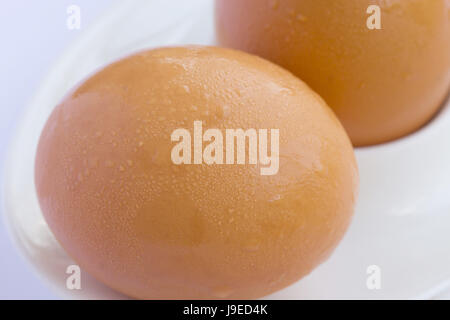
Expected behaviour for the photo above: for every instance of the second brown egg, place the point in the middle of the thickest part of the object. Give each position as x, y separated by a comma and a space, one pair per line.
382, 83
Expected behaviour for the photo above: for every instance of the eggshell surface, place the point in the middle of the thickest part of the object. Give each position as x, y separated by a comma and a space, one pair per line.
152, 229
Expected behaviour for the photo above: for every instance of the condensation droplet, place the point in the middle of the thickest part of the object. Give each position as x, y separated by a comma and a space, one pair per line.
275, 198
277, 280
226, 111
274, 4
109, 163
222, 292
252, 245
301, 18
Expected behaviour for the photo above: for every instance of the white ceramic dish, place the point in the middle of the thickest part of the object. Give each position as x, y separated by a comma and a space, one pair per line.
401, 223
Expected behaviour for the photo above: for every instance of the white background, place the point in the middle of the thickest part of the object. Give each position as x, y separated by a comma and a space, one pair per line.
33, 34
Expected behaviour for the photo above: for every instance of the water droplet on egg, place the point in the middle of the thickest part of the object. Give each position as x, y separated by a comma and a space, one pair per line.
252, 245
222, 292
109, 163
301, 18
274, 4
275, 198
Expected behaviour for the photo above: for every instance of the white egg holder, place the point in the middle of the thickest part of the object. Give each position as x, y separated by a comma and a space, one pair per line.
401, 222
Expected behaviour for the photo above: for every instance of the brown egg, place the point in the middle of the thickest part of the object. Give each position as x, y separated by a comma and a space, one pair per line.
150, 228
382, 83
